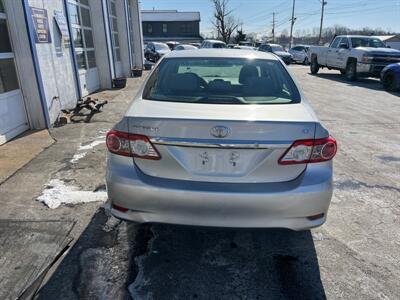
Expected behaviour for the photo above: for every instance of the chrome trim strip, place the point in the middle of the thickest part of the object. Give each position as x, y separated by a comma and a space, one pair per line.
196, 143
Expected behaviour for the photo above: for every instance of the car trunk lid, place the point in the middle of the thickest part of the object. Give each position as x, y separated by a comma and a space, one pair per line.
220, 143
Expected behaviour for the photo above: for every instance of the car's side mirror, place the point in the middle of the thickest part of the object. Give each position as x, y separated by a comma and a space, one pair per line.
343, 46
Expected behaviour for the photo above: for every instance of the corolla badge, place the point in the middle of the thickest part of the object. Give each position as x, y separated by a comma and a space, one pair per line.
220, 131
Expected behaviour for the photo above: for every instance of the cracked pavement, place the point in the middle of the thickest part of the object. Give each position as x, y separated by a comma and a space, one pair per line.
355, 255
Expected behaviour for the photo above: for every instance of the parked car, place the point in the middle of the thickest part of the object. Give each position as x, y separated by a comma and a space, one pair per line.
243, 43
205, 144
185, 47
390, 77
299, 54
154, 51
277, 50
244, 47
213, 44
354, 56
172, 45
197, 45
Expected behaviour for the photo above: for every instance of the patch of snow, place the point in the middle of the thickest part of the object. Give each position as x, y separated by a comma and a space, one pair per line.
78, 156
100, 140
57, 193
83, 149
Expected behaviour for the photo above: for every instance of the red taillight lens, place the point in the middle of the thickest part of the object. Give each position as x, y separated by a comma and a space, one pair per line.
133, 145
309, 151
120, 208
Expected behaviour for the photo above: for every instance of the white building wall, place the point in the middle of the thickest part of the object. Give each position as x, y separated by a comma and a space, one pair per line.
137, 34
24, 63
123, 38
56, 70
100, 43
394, 45
50, 85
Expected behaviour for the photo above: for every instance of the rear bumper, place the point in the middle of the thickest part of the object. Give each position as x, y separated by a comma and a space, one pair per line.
284, 205
287, 59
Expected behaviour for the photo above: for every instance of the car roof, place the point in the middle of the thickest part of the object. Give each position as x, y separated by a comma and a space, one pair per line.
214, 41
187, 45
356, 36
222, 53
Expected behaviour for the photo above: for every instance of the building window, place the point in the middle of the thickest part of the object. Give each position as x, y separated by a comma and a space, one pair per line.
149, 28
5, 45
165, 27
114, 30
8, 74
82, 34
1, 7
186, 28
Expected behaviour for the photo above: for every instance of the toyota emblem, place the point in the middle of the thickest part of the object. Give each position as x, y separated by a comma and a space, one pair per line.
220, 131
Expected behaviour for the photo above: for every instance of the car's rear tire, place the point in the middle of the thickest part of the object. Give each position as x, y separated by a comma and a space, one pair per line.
305, 61
351, 71
314, 67
342, 72
388, 81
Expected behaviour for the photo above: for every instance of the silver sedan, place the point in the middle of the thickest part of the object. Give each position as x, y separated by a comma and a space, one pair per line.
220, 138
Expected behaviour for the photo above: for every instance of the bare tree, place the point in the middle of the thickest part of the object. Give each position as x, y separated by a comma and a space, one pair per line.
224, 22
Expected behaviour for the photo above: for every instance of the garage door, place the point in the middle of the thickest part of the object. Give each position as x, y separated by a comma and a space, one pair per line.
13, 120
82, 35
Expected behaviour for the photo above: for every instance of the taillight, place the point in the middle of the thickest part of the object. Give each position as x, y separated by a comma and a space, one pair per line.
133, 145
309, 151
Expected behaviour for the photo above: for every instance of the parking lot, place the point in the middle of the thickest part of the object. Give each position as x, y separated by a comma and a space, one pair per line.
355, 255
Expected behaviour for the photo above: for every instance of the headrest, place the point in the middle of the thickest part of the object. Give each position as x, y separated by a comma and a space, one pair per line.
183, 82
247, 71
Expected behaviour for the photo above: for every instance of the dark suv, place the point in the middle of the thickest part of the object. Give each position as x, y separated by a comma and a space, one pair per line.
154, 51
277, 50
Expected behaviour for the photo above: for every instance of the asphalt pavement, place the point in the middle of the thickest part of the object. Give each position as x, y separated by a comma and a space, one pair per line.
355, 255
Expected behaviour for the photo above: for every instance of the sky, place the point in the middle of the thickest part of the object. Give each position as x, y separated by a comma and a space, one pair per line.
256, 15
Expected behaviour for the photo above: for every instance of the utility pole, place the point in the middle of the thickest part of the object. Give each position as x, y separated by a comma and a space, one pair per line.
291, 26
323, 2
273, 27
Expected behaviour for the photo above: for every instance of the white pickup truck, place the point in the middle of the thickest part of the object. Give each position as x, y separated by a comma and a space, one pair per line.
354, 56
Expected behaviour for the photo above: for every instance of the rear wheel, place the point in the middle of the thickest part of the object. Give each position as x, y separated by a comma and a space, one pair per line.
342, 72
305, 61
351, 71
314, 67
388, 81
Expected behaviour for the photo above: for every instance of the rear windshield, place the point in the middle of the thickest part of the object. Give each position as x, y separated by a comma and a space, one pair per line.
160, 46
277, 48
367, 42
221, 81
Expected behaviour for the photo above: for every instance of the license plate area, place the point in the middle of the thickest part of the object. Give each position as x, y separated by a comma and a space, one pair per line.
223, 162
